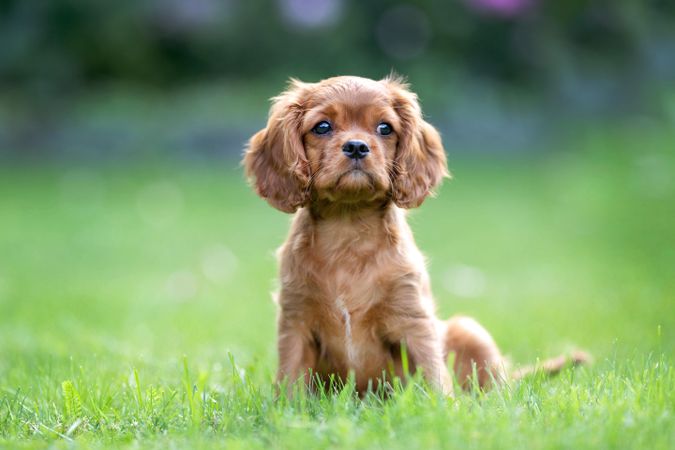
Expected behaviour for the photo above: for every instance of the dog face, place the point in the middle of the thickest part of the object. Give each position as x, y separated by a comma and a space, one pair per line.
345, 140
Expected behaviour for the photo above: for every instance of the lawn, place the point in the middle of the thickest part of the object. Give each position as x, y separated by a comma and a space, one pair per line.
135, 307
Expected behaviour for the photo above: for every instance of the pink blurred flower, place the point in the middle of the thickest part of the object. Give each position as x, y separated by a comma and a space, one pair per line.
311, 13
506, 8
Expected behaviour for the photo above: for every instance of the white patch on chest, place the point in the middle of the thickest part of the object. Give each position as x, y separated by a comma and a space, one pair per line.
350, 349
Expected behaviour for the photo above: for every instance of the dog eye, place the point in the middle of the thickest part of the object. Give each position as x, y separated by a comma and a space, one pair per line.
322, 127
384, 129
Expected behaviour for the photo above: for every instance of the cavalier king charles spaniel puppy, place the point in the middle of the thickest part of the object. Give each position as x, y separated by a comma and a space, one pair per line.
349, 156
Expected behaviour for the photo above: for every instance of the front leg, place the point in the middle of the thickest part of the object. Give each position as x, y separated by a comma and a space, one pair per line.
407, 321
297, 352
421, 340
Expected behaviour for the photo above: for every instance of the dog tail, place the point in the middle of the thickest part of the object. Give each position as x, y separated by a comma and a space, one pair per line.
553, 366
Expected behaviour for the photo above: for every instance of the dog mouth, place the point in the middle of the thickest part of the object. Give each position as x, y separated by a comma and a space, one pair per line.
353, 186
355, 174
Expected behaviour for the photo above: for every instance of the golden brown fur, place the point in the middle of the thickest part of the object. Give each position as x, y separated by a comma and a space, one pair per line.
354, 286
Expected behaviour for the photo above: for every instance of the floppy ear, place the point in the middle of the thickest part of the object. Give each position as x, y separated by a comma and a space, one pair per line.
275, 160
420, 164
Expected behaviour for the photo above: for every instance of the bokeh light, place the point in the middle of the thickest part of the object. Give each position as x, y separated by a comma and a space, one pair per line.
218, 264
403, 32
182, 285
311, 13
505, 8
465, 281
160, 203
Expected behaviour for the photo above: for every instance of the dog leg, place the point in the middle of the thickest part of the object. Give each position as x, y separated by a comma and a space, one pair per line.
419, 335
474, 350
297, 354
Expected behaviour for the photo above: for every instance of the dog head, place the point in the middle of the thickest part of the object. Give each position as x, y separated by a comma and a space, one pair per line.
345, 140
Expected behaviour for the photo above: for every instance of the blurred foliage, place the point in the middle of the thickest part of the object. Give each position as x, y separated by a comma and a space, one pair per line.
57, 44
107, 79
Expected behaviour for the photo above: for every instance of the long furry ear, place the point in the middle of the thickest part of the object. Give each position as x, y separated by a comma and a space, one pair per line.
275, 160
420, 163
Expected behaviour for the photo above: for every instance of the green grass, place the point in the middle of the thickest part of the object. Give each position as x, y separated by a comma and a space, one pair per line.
135, 306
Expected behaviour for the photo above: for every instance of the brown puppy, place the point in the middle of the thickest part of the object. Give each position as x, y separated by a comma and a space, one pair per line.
350, 155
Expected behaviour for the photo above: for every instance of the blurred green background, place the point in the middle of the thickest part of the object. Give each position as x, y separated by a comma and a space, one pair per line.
122, 124
128, 235
104, 81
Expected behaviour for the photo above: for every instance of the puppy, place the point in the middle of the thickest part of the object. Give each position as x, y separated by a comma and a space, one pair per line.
349, 156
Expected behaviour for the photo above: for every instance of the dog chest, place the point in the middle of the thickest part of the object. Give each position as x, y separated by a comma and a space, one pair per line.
347, 339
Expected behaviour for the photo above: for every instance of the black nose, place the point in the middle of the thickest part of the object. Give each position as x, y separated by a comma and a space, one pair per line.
355, 149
